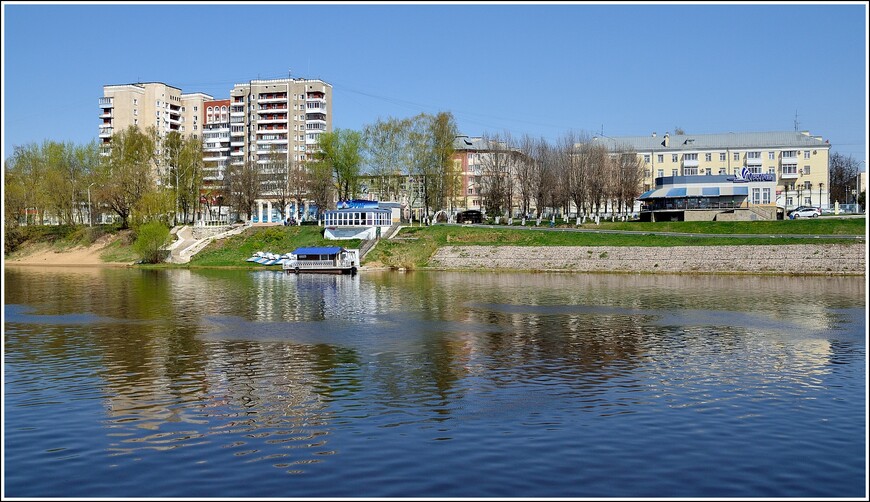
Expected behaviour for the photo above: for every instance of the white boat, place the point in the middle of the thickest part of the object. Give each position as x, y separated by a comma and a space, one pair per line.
322, 260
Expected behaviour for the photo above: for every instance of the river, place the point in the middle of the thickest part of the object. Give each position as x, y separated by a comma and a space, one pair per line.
234, 383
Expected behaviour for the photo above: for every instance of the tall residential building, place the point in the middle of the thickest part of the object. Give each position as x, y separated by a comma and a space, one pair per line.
146, 104
282, 116
797, 162
216, 142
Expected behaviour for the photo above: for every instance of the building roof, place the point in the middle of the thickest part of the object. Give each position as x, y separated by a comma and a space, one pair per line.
475, 144
324, 250
730, 140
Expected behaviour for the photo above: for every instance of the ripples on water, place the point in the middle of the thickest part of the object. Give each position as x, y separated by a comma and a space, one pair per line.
128, 383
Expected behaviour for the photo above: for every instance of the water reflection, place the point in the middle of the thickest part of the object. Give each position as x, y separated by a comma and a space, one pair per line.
228, 370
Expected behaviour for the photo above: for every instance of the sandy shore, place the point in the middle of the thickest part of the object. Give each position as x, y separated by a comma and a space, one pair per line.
44, 255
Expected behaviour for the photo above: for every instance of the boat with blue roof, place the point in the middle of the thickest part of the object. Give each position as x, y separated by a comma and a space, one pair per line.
322, 260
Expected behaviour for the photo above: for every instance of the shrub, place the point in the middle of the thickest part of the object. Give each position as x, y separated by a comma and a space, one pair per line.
150, 239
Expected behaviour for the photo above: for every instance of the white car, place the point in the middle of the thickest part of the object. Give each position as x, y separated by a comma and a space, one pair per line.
806, 212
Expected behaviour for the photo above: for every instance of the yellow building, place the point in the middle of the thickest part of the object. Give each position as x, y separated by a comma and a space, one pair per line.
798, 161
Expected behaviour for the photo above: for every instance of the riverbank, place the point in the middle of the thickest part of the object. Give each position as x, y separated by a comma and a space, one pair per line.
453, 247
797, 259
46, 255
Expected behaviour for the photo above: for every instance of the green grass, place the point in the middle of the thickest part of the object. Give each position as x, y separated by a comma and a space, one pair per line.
415, 245
233, 251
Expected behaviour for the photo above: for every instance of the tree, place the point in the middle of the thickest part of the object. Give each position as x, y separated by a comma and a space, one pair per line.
320, 184
342, 151
243, 186
127, 173
446, 178
495, 175
843, 178
628, 176
184, 171
151, 238
386, 154
525, 172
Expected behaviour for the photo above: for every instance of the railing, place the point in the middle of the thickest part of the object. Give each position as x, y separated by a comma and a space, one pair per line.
317, 264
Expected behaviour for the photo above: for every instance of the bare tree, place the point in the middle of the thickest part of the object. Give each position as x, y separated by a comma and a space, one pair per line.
544, 176
245, 187
386, 155
495, 174
843, 178
628, 178
525, 171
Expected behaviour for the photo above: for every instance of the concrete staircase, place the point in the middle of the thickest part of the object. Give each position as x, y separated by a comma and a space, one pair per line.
191, 240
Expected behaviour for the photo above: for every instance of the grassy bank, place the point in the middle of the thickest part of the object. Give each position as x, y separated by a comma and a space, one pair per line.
415, 245
233, 251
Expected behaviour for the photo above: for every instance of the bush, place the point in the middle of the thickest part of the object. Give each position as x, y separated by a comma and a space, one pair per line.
150, 239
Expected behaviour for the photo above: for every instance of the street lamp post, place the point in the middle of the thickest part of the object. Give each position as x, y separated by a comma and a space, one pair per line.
90, 209
820, 195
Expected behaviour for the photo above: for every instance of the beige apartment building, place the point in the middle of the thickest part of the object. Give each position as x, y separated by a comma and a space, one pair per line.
796, 163
146, 104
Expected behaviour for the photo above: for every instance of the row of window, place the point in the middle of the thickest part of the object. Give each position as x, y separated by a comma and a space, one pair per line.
692, 171
786, 154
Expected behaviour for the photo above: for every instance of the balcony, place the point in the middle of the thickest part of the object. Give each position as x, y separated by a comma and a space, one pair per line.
107, 114
273, 100
237, 154
272, 131
237, 143
106, 102
315, 104
237, 114
272, 121
789, 160
753, 162
238, 133
691, 163
789, 172
106, 132
262, 111
272, 142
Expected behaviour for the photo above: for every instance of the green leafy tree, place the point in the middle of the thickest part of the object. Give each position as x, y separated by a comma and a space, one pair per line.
183, 172
127, 174
386, 149
342, 150
151, 238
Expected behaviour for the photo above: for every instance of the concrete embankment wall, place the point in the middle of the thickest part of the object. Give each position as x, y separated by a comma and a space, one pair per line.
816, 259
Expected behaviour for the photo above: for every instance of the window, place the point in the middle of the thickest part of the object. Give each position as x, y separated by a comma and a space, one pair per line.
789, 169
753, 155
755, 169
646, 158
135, 101
196, 108
808, 201
765, 196
661, 158
736, 156
709, 171
771, 170
807, 154
806, 170
756, 196
690, 156
646, 173
135, 111
722, 171
771, 155
194, 127
807, 185
674, 172
674, 158
721, 157
661, 173
690, 171
135, 121
708, 157
789, 153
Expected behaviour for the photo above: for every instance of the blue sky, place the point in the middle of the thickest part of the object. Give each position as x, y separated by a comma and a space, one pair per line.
536, 69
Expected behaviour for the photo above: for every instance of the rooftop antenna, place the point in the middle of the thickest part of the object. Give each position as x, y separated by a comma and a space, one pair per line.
602, 129
289, 73
796, 123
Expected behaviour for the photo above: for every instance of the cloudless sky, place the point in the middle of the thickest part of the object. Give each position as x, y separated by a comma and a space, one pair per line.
541, 69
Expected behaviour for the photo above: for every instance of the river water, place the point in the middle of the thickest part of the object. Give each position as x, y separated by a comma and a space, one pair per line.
215, 383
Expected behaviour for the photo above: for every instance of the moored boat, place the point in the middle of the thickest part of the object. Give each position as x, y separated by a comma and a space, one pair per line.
323, 260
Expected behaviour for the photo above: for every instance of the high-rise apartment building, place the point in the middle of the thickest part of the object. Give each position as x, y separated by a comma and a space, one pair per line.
281, 117
216, 142
148, 104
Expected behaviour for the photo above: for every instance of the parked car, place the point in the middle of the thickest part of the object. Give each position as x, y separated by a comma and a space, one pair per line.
805, 212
